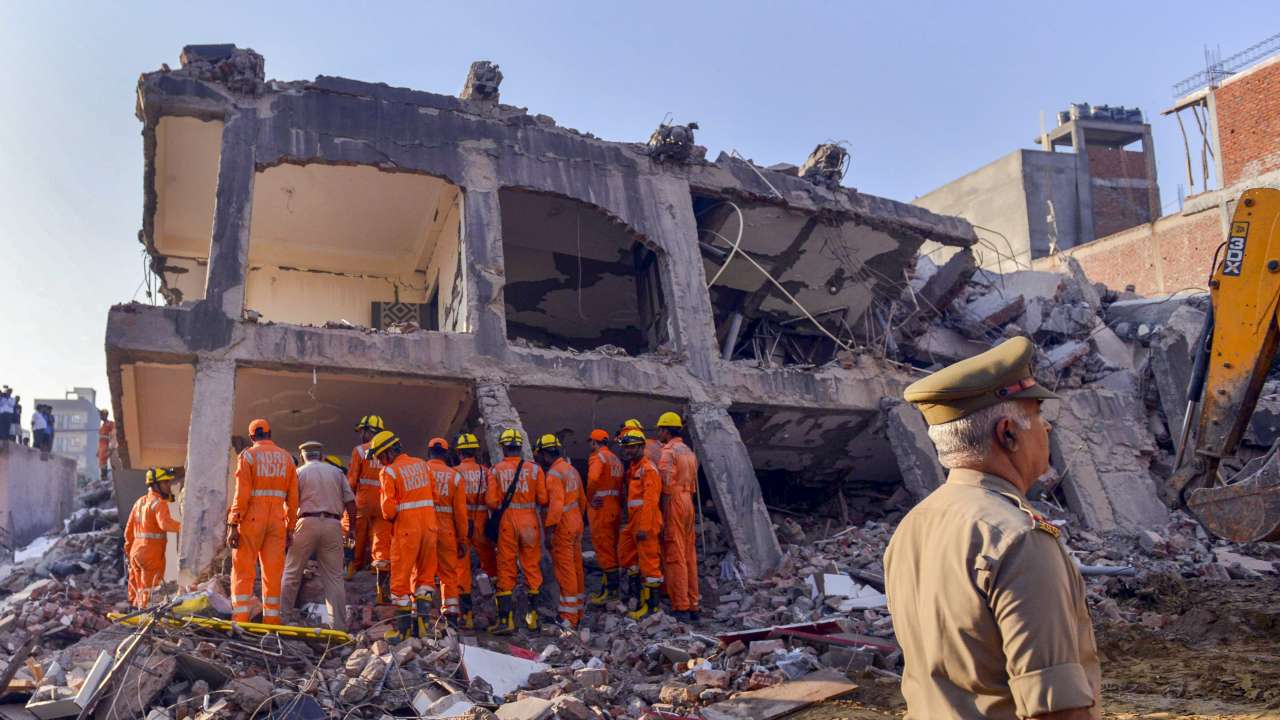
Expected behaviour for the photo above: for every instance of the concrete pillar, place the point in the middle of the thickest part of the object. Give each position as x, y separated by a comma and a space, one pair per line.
1084, 185
1153, 190
498, 413
734, 487
691, 320
482, 248
214, 317
204, 494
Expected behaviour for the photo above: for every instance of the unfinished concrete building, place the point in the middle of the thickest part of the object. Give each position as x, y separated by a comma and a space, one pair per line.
333, 248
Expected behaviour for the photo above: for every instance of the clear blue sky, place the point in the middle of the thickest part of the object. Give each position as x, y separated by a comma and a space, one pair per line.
921, 92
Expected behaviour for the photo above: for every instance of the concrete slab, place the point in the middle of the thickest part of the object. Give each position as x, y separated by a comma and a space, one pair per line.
504, 673
1172, 357
909, 437
1103, 451
37, 491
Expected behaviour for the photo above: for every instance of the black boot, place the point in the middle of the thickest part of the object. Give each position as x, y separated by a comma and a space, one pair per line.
647, 602
505, 624
628, 589
382, 583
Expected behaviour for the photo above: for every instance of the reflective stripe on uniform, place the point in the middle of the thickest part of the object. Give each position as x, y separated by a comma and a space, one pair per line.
572, 506
273, 600
370, 483
444, 509
477, 508
241, 608
607, 493
451, 602
635, 503
521, 506
241, 598
653, 581
567, 609
149, 536
269, 493
415, 504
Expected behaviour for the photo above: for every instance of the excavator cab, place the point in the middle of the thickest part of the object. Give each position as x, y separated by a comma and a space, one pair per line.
1234, 355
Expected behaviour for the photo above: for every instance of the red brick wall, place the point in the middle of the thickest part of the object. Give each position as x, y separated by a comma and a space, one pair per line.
1116, 207
1105, 162
1248, 113
1172, 254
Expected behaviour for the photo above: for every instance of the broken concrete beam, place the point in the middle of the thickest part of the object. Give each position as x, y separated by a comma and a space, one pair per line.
943, 286
1108, 346
989, 313
1065, 355
909, 438
499, 413
943, 346
1088, 292
1102, 449
1173, 350
1067, 321
825, 166
133, 692
734, 487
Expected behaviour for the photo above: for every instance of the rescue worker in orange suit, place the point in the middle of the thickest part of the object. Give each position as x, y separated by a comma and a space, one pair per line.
373, 532
106, 431
145, 539
638, 547
260, 523
604, 512
451, 525
679, 470
565, 502
408, 501
474, 481
519, 532
652, 448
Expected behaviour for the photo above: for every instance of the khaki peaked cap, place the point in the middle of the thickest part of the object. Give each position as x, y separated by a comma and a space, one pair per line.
999, 374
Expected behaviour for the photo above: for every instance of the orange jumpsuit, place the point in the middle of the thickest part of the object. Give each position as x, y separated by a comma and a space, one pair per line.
679, 471
644, 491
475, 479
144, 545
373, 532
604, 483
520, 533
408, 501
105, 431
565, 501
451, 530
265, 506
653, 451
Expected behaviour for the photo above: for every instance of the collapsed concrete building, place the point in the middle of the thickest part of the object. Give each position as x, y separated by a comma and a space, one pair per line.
332, 248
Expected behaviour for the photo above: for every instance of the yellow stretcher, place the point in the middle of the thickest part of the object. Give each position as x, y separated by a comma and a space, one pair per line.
225, 626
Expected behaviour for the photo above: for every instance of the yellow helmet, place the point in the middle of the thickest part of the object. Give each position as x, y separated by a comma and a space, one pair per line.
158, 475
631, 436
670, 420
547, 442
632, 424
372, 422
511, 437
336, 461
382, 442
467, 441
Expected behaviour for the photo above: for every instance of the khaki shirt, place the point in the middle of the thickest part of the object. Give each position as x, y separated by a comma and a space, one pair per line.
322, 488
988, 607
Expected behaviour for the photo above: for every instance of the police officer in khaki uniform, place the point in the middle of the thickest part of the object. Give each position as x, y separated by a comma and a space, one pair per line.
988, 606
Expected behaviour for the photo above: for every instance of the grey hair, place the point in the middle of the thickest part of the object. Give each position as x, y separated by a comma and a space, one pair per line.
965, 442
312, 454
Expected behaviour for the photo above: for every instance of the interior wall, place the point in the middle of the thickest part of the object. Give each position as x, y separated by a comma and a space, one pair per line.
303, 297
327, 241
188, 152
187, 276
156, 413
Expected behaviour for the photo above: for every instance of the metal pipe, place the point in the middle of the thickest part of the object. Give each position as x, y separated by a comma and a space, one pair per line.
731, 338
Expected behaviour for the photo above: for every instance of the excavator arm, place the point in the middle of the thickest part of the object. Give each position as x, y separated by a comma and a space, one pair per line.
1235, 353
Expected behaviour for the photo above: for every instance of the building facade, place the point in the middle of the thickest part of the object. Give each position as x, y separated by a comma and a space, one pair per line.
334, 248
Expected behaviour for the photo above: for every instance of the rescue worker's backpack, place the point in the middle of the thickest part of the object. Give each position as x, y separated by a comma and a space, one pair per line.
494, 521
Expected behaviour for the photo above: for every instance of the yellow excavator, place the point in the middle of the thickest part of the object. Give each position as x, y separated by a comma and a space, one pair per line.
1233, 357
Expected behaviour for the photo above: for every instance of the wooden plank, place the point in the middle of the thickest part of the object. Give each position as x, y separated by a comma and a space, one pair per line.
14, 663
779, 700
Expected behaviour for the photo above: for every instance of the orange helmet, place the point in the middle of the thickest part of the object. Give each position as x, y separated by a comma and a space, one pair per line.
438, 442
599, 435
259, 425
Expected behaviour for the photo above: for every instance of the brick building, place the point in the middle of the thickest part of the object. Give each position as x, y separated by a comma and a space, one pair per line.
1240, 146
